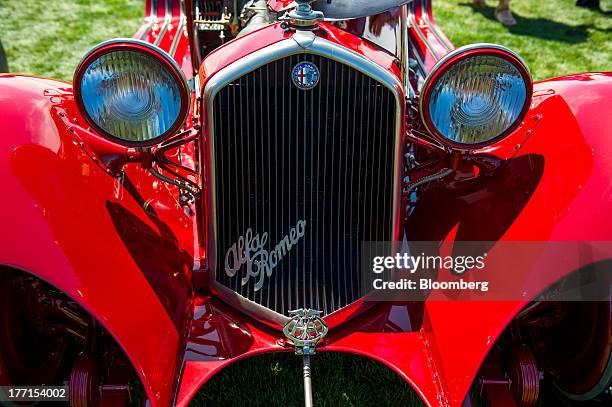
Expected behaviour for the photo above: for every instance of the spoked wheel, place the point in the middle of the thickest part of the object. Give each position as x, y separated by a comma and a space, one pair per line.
28, 354
48, 339
574, 346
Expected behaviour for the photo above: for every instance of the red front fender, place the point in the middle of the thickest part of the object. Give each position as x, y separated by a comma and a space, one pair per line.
71, 224
570, 126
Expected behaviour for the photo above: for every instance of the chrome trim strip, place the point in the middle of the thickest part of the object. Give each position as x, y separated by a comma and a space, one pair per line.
434, 27
179, 30
151, 19
421, 63
405, 48
412, 52
249, 63
167, 21
418, 59
420, 34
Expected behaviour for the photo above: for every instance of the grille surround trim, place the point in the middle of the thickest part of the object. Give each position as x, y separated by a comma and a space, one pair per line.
295, 45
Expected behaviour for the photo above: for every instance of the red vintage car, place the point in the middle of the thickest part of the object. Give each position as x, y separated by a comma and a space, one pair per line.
201, 194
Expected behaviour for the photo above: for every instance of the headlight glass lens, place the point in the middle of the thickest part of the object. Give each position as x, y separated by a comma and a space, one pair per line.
130, 95
477, 99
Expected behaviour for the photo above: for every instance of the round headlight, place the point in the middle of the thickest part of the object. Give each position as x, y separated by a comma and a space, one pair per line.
131, 91
475, 96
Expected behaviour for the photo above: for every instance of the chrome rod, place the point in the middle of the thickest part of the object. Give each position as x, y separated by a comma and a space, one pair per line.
304, 331
179, 31
150, 20
166, 24
307, 382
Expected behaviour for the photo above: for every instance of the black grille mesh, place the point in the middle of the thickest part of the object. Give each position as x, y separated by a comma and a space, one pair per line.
325, 156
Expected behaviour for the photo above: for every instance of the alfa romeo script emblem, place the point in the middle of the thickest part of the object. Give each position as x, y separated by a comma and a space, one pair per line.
305, 75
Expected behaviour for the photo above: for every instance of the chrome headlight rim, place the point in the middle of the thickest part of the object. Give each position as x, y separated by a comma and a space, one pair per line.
456, 56
147, 49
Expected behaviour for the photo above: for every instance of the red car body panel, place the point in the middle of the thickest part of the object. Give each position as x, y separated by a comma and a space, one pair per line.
91, 235
571, 203
166, 26
61, 212
436, 360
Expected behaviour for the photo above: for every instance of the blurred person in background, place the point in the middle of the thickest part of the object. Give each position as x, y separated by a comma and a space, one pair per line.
502, 12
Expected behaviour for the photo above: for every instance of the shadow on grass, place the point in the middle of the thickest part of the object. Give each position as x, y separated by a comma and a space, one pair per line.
540, 27
338, 380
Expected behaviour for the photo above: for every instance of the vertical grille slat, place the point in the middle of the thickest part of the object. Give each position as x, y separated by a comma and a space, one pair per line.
242, 180
282, 206
324, 156
331, 193
340, 174
269, 177
322, 263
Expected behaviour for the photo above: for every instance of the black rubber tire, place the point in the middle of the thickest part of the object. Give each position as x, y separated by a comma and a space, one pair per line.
594, 397
552, 346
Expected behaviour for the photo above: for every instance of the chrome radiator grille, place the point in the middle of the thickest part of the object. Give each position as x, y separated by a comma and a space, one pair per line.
324, 156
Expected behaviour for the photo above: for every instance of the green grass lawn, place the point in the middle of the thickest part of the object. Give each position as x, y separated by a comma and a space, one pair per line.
48, 38
339, 380
553, 36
